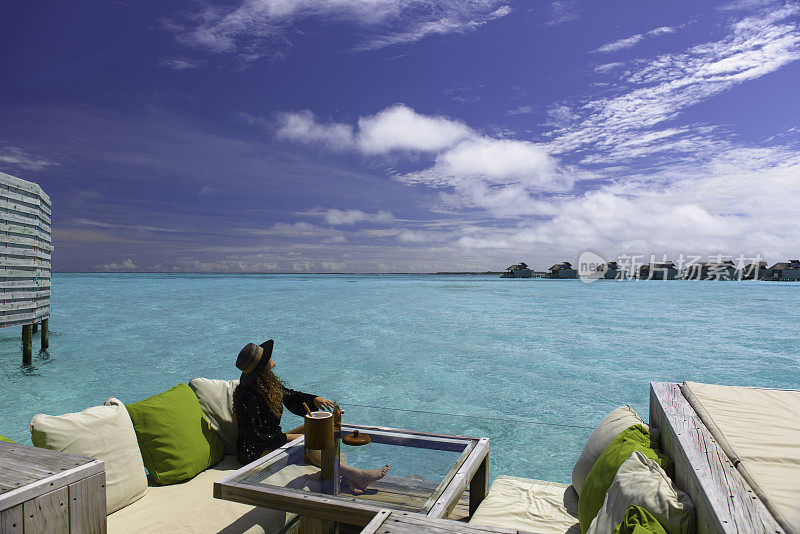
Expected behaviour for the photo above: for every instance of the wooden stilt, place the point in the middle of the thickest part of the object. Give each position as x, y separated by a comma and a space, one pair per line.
35, 327
45, 333
27, 344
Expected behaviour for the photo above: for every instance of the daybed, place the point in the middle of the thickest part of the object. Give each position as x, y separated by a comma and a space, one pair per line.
136, 502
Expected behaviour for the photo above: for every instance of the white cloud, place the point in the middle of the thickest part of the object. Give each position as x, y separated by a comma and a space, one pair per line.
560, 115
520, 110
252, 28
633, 40
180, 63
661, 88
401, 128
607, 67
562, 11
349, 217
621, 44
303, 126
16, 157
125, 265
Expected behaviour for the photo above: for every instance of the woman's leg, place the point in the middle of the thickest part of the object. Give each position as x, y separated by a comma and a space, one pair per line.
357, 479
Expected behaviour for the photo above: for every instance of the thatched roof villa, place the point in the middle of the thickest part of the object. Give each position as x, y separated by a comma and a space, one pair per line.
520, 270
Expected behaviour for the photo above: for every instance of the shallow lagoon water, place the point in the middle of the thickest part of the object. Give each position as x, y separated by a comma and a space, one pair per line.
532, 364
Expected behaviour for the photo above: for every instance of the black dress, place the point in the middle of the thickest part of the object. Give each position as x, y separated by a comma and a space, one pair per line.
259, 428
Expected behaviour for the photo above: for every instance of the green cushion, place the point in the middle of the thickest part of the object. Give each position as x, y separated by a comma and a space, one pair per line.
3, 438
174, 435
637, 520
634, 438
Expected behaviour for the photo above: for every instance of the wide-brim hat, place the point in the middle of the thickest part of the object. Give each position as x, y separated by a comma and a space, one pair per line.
252, 360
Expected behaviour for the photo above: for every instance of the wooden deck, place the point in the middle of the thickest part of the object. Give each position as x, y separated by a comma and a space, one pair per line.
394, 522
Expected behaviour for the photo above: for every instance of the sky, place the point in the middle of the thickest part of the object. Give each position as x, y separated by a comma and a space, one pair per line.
403, 135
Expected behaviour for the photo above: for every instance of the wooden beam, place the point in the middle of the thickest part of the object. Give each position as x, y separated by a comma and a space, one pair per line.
723, 500
27, 344
45, 333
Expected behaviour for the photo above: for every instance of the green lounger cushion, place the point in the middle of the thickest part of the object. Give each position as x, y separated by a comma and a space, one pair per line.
174, 435
637, 520
634, 438
3, 438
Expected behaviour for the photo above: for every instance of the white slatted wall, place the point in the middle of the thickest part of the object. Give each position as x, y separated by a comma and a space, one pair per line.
24, 252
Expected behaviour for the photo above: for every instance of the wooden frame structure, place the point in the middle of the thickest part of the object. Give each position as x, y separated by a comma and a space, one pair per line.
50, 491
468, 472
396, 522
724, 501
25, 248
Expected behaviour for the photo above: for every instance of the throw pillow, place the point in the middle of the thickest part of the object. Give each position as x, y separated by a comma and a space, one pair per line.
641, 482
608, 429
635, 438
102, 432
174, 435
639, 521
216, 399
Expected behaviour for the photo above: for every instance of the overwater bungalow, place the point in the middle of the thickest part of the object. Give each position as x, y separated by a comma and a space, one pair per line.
562, 270
612, 271
520, 270
787, 271
658, 271
753, 271
723, 270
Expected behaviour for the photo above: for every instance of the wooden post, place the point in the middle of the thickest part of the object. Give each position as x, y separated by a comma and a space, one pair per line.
35, 327
27, 344
45, 333
478, 486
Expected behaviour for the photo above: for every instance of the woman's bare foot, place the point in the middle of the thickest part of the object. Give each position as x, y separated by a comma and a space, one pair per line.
361, 478
352, 488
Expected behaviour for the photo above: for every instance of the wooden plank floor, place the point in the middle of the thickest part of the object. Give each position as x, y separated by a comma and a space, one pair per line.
410, 494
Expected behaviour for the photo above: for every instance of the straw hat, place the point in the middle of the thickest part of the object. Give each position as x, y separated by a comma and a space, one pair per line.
253, 359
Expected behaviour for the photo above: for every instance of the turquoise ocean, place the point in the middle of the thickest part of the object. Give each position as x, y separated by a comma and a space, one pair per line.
531, 364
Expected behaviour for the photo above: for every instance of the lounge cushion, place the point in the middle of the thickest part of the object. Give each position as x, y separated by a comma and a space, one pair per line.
529, 505
216, 400
3, 438
174, 435
635, 438
608, 429
757, 428
637, 520
102, 432
189, 507
641, 482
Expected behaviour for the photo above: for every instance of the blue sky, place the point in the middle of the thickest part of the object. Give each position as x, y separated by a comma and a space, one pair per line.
397, 136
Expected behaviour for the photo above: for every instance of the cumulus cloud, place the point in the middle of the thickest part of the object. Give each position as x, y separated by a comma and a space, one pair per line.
482, 170
253, 28
401, 128
303, 126
16, 157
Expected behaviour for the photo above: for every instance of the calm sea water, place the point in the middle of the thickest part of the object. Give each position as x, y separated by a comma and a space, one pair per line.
532, 364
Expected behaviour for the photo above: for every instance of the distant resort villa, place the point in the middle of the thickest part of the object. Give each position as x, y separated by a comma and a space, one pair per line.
788, 271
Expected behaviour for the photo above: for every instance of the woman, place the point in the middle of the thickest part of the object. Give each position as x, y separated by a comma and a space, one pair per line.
258, 404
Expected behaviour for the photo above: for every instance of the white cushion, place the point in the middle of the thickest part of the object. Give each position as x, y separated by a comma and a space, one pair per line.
189, 507
216, 399
529, 505
641, 482
608, 429
102, 432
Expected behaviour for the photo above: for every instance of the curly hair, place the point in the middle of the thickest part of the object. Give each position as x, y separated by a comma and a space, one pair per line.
270, 387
